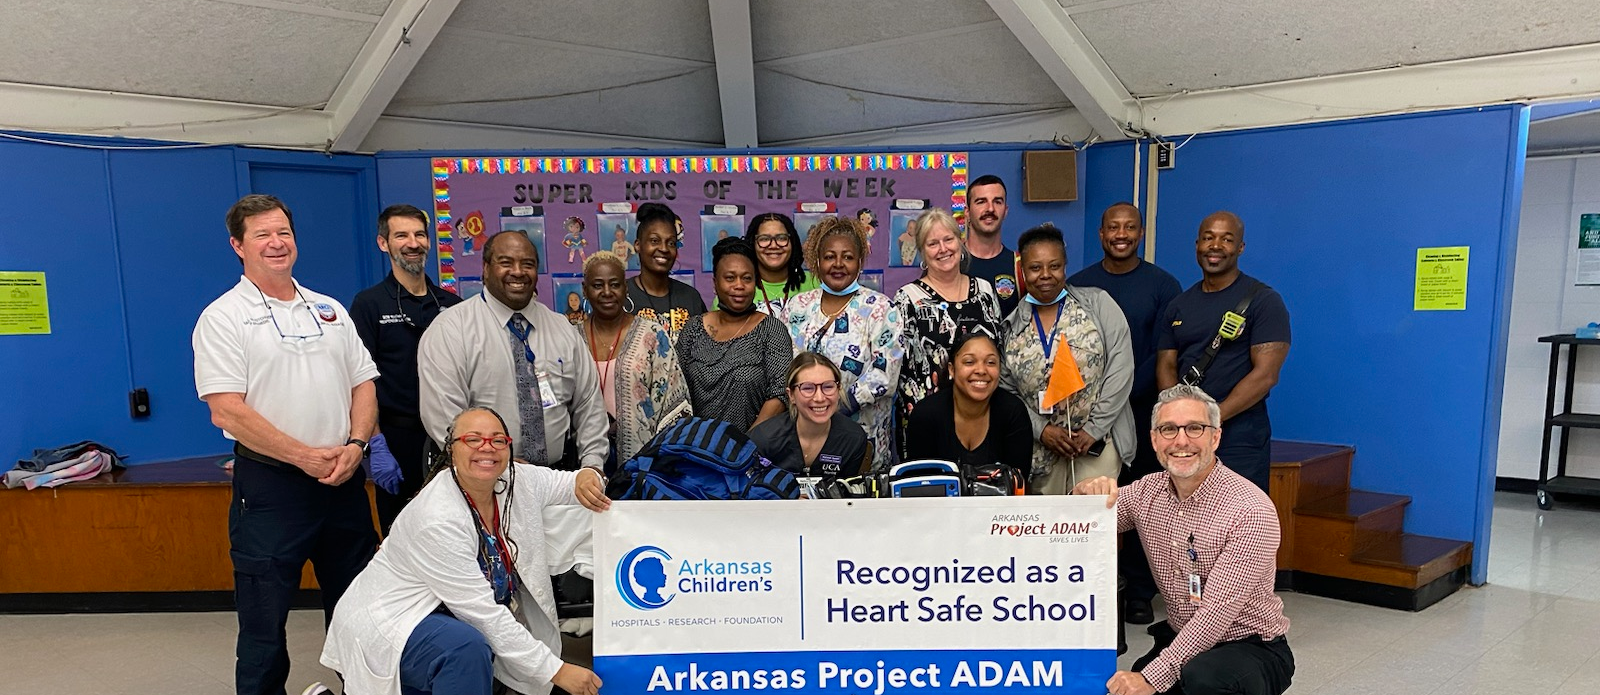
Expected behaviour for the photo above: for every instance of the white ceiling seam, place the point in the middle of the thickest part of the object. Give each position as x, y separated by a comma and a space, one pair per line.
399, 41
736, 80
1066, 55
1568, 72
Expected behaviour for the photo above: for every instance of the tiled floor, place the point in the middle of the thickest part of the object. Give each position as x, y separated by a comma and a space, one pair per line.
1534, 630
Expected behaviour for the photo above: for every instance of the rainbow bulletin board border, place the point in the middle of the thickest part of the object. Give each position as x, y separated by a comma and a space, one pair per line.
444, 167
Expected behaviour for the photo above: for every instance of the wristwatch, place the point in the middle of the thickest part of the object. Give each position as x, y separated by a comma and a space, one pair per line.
365, 447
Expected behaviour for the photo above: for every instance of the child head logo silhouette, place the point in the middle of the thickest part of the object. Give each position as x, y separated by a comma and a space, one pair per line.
641, 577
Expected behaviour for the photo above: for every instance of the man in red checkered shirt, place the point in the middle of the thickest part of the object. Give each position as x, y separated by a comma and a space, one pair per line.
1212, 540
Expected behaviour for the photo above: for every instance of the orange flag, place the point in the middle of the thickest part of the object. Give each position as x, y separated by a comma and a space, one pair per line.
1065, 379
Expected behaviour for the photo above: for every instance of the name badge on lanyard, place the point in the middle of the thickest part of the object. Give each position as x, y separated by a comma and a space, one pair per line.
547, 392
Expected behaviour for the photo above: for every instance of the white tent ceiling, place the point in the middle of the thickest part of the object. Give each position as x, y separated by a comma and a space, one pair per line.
362, 75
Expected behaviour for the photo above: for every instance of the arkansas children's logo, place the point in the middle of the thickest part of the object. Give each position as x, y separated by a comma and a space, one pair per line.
641, 575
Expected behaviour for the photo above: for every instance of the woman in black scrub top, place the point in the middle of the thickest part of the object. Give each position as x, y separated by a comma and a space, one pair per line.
815, 439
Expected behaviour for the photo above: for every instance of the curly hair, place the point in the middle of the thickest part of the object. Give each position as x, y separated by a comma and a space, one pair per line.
834, 225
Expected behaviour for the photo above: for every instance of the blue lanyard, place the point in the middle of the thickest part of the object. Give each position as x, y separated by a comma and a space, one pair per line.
521, 335
1048, 340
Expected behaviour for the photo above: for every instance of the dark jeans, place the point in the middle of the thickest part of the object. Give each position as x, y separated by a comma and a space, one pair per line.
407, 441
446, 656
280, 518
1246, 446
1250, 666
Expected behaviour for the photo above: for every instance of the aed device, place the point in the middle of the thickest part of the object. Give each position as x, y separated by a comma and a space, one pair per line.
925, 478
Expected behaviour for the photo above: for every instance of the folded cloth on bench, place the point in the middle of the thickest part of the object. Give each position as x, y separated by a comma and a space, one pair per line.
86, 465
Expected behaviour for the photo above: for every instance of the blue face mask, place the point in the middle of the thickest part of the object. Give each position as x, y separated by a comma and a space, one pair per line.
1030, 299
852, 289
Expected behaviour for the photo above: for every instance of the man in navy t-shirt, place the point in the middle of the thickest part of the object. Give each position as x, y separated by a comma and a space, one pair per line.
990, 259
1142, 290
1246, 367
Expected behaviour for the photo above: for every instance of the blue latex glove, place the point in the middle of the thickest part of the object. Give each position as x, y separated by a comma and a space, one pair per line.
381, 466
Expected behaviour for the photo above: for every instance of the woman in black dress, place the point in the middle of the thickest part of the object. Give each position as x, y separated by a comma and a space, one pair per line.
735, 358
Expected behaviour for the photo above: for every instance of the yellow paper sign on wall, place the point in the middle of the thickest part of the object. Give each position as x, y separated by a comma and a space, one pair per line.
1441, 278
24, 307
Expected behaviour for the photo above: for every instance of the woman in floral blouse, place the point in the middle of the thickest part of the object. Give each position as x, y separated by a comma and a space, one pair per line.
857, 328
640, 381
939, 306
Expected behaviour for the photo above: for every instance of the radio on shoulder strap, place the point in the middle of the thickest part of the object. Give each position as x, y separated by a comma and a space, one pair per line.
1232, 327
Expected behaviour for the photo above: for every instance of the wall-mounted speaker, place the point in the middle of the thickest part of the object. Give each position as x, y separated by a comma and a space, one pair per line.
1049, 176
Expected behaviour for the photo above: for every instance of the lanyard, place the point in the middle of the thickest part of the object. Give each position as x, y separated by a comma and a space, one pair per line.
494, 556
1048, 340
768, 298
610, 355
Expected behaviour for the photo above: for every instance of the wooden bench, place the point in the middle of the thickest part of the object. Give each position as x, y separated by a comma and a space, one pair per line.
148, 537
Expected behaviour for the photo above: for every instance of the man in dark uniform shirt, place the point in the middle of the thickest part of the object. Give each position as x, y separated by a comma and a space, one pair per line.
390, 318
1142, 289
1246, 367
990, 259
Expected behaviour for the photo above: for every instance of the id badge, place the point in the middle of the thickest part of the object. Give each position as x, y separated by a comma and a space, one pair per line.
1195, 594
547, 393
1044, 409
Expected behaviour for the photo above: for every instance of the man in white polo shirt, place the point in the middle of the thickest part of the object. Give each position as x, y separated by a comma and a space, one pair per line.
289, 381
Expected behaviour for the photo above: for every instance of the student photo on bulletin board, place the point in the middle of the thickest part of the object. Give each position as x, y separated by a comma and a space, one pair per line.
616, 236
903, 252
715, 228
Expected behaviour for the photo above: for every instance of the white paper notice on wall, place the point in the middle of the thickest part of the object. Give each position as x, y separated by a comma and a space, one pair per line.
1588, 249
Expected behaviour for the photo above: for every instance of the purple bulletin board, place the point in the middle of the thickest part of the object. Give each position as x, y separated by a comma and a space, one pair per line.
574, 206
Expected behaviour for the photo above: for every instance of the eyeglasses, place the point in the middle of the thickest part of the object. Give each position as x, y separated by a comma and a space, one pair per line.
287, 338
1194, 430
808, 389
772, 240
498, 442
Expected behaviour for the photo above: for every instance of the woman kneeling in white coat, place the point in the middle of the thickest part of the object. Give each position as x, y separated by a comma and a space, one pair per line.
459, 593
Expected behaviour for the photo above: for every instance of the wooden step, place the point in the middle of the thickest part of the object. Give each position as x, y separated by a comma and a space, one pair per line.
1353, 505
1373, 517
1425, 558
1304, 472
1319, 470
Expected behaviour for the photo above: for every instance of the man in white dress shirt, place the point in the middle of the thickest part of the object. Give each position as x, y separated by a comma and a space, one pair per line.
505, 351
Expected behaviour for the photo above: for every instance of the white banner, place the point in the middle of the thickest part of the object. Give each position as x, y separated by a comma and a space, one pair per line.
996, 594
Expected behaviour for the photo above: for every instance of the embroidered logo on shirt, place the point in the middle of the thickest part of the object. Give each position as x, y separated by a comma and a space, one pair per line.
1005, 286
326, 313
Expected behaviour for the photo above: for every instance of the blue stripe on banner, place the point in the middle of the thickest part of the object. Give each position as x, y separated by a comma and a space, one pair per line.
1010, 671
802, 575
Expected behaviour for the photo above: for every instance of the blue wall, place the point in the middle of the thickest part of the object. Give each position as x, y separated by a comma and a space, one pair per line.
134, 247
1334, 214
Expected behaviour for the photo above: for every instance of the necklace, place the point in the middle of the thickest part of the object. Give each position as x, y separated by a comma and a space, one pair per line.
611, 354
721, 317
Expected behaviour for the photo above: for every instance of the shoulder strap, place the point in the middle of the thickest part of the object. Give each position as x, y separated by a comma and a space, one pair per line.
1231, 328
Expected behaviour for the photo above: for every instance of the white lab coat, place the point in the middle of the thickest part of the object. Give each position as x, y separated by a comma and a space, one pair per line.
431, 557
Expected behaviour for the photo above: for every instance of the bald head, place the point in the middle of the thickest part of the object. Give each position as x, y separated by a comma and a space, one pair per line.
1219, 244
1225, 218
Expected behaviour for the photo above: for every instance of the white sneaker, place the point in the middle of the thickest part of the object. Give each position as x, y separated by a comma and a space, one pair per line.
316, 688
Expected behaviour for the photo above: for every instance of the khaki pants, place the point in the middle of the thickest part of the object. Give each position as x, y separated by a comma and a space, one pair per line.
1067, 474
